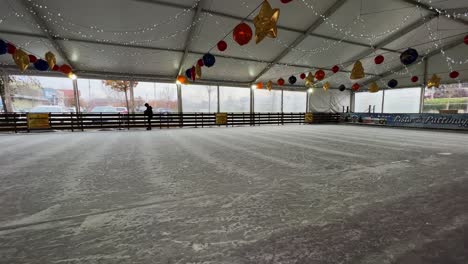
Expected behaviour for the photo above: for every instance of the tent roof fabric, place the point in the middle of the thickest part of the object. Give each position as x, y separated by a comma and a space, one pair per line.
157, 39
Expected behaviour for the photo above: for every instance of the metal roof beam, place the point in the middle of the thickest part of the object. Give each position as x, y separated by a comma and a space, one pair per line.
191, 34
47, 32
330, 11
439, 11
433, 53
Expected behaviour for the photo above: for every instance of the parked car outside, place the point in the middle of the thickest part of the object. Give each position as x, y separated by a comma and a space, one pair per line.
122, 110
48, 109
104, 109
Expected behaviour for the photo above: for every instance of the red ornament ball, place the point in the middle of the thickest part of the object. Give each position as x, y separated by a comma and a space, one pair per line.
303, 76
32, 58
466, 40
335, 69
414, 79
222, 45
56, 68
66, 69
454, 74
285, 1
319, 75
356, 87
280, 82
242, 34
379, 59
200, 63
11, 48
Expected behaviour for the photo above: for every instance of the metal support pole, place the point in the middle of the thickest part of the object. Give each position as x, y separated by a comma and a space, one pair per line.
76, 94
219, 108
352, 101
7, 104
132, 97
307, 101
282, 100
423, 87
179, 98
383, 100
252, 100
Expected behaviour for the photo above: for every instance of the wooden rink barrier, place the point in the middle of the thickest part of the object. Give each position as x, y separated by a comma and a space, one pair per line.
19, 122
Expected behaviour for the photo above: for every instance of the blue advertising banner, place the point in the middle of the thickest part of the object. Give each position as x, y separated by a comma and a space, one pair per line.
441, 121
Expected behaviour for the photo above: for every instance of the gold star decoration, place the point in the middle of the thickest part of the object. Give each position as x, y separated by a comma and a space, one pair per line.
373, 88
309, 80
326, 86
265, 22
433, 82
269, 85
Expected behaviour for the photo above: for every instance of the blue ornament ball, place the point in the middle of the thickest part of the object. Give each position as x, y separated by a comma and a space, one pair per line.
209, 60
292, 79
188, 73
41, 65
3, 47
409, 56
342, 88
392, 83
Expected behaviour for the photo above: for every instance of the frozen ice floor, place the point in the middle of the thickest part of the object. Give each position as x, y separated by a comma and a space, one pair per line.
292, 194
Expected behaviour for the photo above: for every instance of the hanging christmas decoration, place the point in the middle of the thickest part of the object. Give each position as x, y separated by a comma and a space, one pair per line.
259, 85
326, 86
373, 87
342, 88
269, 85
309, 80
392, 83
188, 73
265, 22
303, 75
285, 1
192, 73
222, 45
66, 69
56, 68
414, 79
466, 40
200, 63
280, 82
292, 79
198, 71
358, 71
32, 58
319, 75
409, 56
41, 65
3, 47
356, 87
454, 74
242, 34
379, 59
182, 79
335, 69
51, 60
434, 82
21, 59
11, 49
209, 60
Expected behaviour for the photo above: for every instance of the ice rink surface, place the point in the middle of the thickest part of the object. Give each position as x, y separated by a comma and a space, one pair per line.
290, 194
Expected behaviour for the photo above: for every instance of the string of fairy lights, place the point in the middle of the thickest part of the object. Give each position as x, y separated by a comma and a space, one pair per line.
62, 23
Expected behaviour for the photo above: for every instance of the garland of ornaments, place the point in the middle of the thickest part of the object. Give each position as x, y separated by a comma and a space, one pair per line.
23, 59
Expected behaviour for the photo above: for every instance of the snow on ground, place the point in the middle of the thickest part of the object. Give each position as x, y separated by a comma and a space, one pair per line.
289, 194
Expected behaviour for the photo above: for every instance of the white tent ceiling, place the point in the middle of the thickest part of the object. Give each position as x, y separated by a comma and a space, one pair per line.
155, 39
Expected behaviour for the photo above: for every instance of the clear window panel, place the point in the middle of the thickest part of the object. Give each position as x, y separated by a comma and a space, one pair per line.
267, 101
39, 94
161, 96
365, 99
405, 100
294, 102
199, 98
448, 97
234, 99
